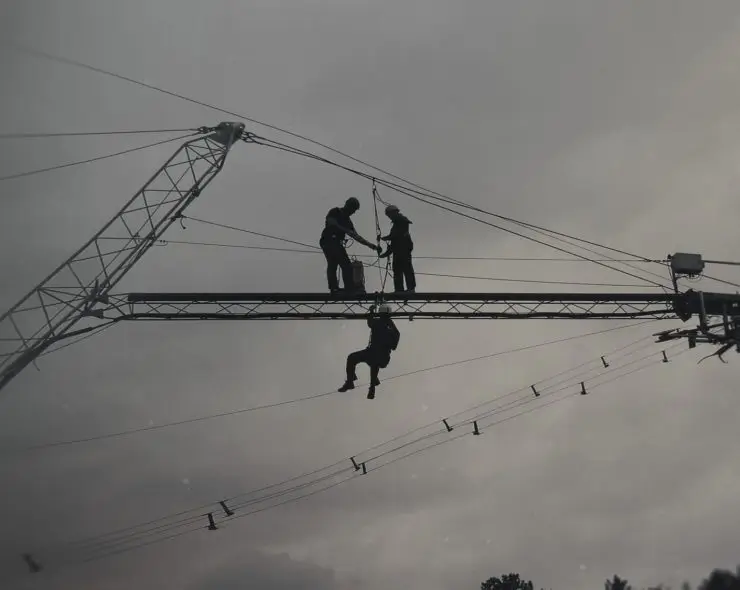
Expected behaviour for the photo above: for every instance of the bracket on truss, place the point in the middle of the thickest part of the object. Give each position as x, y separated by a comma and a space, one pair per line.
725, 334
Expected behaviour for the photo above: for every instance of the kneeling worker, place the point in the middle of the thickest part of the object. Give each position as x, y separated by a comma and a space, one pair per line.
384, 337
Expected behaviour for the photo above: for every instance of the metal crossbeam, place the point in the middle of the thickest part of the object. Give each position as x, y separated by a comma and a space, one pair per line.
272, 306
50, 310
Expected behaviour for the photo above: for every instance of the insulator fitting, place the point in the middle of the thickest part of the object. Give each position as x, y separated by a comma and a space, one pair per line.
211, 523
226, 509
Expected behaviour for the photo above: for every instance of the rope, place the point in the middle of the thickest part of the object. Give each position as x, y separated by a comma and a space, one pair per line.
383, 277
378, 235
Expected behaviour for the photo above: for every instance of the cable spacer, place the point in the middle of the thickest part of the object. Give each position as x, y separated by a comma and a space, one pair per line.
475, 428
603, 360
354, 464
211, 524
447, 426
364, 469
226, 509
536, 393
583, 389
665, 358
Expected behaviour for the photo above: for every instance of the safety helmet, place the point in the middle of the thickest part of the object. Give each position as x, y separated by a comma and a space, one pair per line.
391, 209
352, 203
384, 308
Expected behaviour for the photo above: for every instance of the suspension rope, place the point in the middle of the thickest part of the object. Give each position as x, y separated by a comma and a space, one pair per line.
383, 277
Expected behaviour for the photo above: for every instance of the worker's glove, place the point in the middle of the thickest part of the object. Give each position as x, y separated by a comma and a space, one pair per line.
378, 249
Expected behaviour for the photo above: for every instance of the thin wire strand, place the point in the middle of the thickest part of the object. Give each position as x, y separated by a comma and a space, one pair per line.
38, 53
436, 423
410, 193
164, 242
246, 231
316, 250
92, 133
225, 522
96, 159
310, 397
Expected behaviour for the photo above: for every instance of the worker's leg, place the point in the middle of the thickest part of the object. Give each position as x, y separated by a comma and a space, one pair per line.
408, 271
332, 263
354, 359
374, 370
397, 272
379, 359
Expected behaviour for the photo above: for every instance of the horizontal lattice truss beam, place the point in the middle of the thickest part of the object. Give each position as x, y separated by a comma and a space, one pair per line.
255, 306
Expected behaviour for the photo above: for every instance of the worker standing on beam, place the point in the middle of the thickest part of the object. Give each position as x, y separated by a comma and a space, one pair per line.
401, 246
384, 338
338, 226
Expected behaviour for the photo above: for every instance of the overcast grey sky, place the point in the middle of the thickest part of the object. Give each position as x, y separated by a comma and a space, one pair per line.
614, 121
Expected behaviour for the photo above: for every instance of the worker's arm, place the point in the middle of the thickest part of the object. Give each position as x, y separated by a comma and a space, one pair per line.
331, 222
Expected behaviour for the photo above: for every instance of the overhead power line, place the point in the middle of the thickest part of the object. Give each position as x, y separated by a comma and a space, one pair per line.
613, 356
128, 539
92, 133
316, 250
424, 198
96, 159
429, 192
176, 423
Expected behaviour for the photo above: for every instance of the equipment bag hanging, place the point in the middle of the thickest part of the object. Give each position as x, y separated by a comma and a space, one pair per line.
358, 275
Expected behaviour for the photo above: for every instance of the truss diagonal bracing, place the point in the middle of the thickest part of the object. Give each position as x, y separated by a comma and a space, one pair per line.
49, 312
272, 306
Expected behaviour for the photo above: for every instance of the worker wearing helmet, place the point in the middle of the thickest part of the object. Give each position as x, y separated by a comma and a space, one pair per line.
401, 246
338, 226
384, 337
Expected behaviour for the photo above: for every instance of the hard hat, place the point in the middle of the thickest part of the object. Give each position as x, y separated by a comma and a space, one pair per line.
384, 308
352, 203
391, 209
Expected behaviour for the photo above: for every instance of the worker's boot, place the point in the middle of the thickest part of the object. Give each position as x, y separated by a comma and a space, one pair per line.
347, 386
371, 392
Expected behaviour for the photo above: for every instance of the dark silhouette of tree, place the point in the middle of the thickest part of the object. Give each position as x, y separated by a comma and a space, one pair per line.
722, 580
717, 580
507, 582
617, 583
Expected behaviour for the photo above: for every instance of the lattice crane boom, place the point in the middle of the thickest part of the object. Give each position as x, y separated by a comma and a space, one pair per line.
57, 304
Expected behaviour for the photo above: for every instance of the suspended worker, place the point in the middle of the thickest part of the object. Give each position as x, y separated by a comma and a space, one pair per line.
338, 226
384, 337
401, 246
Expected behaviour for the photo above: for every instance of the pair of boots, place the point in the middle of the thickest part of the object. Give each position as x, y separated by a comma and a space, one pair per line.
350, 384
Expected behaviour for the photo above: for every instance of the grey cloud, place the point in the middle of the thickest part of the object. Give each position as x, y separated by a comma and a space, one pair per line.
269, 572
